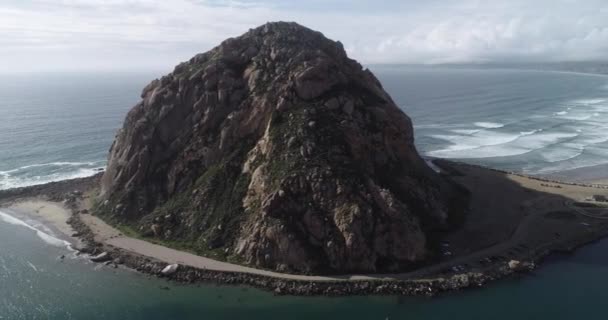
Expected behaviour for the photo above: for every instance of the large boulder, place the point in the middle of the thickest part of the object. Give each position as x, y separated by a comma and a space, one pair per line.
277, 150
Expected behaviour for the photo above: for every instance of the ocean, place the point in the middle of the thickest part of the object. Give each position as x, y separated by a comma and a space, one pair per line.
56, 127
535, 122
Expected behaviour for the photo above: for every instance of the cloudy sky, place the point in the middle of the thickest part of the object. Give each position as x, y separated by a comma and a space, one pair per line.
72, 35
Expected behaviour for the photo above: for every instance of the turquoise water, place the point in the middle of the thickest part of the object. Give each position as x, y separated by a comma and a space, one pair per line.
36, 284
55, 127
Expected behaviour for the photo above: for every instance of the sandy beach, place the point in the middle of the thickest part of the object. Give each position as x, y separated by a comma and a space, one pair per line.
49, 213
49, 219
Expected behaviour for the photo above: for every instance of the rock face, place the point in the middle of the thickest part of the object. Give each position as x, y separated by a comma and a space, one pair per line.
278, 151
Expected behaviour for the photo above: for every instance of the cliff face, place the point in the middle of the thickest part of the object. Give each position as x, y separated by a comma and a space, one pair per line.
276, 150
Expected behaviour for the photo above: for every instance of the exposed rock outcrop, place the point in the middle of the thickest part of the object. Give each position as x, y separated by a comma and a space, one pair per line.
169, 270
276, 150
102, 257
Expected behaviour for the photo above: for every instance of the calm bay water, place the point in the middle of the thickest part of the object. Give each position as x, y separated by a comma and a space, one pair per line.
36, 284
56, 127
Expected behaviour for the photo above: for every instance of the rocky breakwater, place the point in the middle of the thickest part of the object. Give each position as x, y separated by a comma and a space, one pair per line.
276, 150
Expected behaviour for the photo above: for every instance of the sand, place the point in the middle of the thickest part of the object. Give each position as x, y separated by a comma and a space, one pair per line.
51, 214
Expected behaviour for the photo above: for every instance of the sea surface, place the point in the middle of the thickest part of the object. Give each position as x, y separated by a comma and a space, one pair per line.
60, 126
535, 122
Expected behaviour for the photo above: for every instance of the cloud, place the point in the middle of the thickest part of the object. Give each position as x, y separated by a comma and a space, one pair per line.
142, 34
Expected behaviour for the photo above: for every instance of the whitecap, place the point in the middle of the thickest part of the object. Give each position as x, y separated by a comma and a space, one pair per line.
545, 139
590, 101
32, 266
568, 165
48, 238
595, 139
578, 118
466, 148
9, 181
483, 138
527, 133
432, 165
563, 152
561, 113
465, 131
455, 152
433, 126
52, 164
473, 146
489, 125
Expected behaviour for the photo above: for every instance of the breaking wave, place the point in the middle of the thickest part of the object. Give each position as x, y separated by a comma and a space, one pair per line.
35, 174
587, 102
489, 125
46, 236
486, 144
465, 131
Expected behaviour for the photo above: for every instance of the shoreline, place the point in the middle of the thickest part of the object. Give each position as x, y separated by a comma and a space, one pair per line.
427, 281
429, 287
50, 214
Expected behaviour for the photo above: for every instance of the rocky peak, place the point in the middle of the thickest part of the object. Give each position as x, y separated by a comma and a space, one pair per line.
276, 150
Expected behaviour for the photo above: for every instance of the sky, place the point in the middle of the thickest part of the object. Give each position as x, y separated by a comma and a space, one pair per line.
97, 35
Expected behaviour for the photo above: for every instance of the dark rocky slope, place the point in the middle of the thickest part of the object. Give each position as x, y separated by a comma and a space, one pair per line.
278, 151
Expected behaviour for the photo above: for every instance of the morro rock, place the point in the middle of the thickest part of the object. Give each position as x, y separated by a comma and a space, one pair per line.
276, 150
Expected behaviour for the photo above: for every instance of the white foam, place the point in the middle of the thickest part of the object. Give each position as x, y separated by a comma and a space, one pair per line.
494, 145
544, 139
52, 164
432, 165
8, 181
595, 138
48, 238
489, 125
32, 266
465, 131
579, 118
481, 139
434, 126
478, 153
589, 101
568, 165
527, 133
563, 152
561, 113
